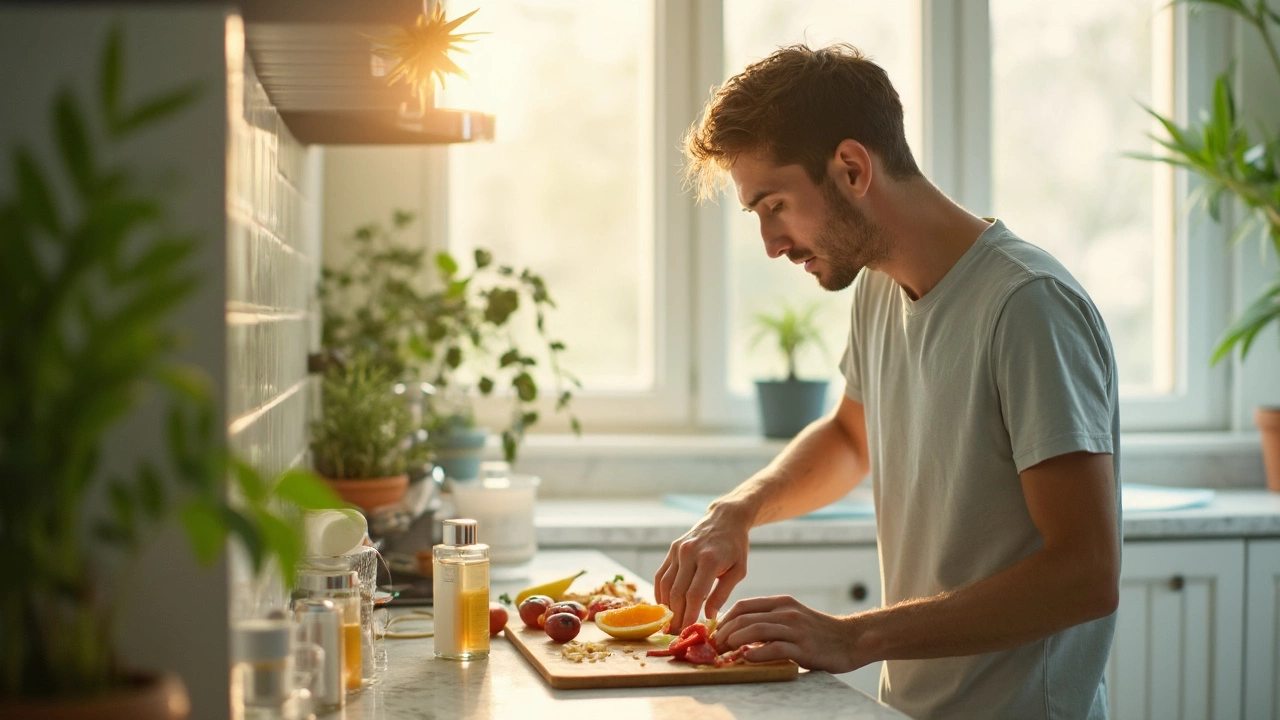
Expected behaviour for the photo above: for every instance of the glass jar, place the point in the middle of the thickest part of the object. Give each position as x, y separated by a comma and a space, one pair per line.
343, 589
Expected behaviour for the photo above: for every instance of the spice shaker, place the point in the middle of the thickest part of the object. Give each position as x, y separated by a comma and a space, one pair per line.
460, 586
320, 622
343, 589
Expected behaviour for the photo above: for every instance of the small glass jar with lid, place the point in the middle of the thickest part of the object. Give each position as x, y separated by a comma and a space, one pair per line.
343, 589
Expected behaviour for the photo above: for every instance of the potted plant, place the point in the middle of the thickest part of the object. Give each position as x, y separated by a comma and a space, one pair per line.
787, 406
362, 443
419, 54
460, 333
90, 280
1231, 164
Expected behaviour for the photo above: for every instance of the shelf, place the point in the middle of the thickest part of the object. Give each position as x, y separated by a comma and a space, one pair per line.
315, 61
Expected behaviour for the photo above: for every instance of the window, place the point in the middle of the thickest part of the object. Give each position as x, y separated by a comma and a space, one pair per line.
1024, 110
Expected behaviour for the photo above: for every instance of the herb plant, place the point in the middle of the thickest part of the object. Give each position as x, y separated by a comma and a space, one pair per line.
791, 329
456, 330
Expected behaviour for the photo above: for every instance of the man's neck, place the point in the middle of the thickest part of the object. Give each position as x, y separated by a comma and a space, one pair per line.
929, 234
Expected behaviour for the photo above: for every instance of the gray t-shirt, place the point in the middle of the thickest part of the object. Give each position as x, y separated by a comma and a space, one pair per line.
1004, 364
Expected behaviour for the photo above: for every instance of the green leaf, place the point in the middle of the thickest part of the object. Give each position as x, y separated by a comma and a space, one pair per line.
502, 303
73, 141
249, 533
509, 446
525, 387
34, 197
453, 357
402, 219
205, 529
529, 418
575, 425
156, 109
151, 492
483, 258
186, 381
112, 72
446, 264
556, 346
1260, 313
485, 386
510, 357
162, 257
281, 541
250, 481
305, 490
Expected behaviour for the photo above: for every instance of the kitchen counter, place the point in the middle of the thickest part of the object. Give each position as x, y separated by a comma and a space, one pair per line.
651, 524
417, 685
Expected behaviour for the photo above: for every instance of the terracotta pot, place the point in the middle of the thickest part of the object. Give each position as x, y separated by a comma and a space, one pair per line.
1268, 421
147, 697
369, 494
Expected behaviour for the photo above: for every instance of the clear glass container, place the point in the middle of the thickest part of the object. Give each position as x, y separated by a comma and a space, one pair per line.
460, 584
343, 589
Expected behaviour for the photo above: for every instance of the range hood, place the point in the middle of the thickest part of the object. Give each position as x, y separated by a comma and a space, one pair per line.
315, 60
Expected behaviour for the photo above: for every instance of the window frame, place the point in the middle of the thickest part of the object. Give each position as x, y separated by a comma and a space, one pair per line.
689, 285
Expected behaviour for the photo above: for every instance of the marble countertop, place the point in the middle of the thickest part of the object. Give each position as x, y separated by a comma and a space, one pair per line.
417, 685
650, 523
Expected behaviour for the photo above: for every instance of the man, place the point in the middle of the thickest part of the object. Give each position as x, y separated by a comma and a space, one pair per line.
981, 398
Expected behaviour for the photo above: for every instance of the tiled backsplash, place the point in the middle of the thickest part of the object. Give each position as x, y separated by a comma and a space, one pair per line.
272, 260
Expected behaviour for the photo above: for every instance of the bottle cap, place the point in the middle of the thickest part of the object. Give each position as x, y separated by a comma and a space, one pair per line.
460, 532
320, 582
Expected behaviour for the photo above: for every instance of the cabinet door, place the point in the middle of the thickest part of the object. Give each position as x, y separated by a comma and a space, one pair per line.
1178, 645
1262, 644
838, 581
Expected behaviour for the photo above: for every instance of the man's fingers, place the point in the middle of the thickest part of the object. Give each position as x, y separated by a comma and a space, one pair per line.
699, 588
724, 587
748, 606
776, 650
684, 578
661, 584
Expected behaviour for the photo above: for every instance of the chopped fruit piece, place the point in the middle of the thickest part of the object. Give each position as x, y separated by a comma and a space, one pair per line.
701, 654
635, 622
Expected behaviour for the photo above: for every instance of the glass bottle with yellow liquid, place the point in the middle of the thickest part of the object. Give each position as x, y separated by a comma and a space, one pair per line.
343, 589
460, 587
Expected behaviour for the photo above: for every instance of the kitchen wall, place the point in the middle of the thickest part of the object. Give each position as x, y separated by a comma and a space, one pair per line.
273, 250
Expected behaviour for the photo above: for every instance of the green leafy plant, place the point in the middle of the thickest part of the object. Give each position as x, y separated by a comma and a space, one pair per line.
1220, 150
87, 282
791, 329
365, 429
457, 331
420, 52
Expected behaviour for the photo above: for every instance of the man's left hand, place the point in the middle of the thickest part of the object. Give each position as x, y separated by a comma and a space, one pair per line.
790, 631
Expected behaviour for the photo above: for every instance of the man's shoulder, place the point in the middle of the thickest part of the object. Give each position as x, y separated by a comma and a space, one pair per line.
1010, 263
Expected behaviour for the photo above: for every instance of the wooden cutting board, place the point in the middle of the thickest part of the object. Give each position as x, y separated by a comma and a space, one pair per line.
634, 669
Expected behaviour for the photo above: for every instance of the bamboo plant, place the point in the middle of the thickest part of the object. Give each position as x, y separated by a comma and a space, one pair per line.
90, 280
1234, 163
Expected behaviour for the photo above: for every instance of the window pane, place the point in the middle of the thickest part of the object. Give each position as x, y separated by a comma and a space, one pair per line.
566, 187
1067, 80
888, 32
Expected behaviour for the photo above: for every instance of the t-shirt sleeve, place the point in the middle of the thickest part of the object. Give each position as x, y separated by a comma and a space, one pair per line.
1054, 370
850, 363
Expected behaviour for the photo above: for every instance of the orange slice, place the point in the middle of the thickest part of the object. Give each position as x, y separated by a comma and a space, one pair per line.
636, 622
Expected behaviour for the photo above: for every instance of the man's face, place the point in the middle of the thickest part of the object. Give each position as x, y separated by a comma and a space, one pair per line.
810, 224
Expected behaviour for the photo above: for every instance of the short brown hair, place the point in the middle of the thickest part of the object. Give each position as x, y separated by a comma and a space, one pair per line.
797, 105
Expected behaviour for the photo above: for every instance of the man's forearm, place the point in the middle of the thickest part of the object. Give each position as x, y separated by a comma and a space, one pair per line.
815, 469
1036, 597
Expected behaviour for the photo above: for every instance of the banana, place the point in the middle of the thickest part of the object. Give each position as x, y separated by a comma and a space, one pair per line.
554, 589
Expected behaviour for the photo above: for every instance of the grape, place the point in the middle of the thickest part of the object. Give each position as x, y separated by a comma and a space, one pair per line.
563, 626
569, 606
497, 618
533, 607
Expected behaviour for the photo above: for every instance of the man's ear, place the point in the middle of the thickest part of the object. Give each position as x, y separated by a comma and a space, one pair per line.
851, 168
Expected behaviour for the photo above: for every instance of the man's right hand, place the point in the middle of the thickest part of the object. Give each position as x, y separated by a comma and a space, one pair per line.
704, 565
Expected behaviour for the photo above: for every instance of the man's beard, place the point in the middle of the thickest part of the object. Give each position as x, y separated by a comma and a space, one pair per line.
848, 242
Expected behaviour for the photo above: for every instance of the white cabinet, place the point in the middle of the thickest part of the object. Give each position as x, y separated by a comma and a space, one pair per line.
838, 581
1262, 641
1178, 644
